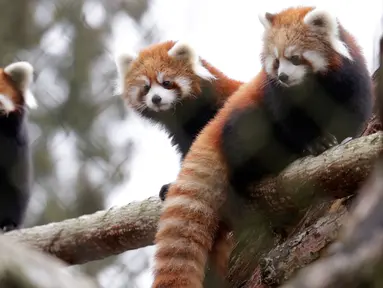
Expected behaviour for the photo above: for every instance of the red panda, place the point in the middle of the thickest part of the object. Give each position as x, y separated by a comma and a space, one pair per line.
15, 159
313, 90
170, 84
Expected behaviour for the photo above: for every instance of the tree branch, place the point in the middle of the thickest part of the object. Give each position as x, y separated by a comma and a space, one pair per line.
105, 233
298, 251
24, 268
95, 236
357, 259
336, 173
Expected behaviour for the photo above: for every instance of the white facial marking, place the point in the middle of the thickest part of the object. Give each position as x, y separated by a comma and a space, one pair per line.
160, 77
133, 91
276, 53
7, 105
132, 94
269, 63
295, 73
318, 62
144, 78
167, 98
184, 84
289, 51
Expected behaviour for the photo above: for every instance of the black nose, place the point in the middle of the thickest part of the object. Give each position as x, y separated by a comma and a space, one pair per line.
156, 99
283, 77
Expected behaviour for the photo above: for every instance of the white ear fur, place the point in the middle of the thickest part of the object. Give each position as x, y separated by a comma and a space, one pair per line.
123, 62
266, 19
322, 21
182, 50
22, 75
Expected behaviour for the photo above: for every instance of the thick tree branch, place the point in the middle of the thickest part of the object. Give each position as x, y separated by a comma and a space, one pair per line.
95, 236
25, 268
336, 173
105, 233
357, 260
298, 251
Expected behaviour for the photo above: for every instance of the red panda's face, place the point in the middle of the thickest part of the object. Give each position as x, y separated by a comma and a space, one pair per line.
299, 42
161, 76
14, 87
159, 87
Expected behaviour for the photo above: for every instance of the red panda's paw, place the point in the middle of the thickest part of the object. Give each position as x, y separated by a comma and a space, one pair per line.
8, 226
346, 140
321, 144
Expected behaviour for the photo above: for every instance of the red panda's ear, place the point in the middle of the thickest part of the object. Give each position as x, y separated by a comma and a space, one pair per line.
183, 51
123, 62
321, 20
324, 22
266, 19
21, 74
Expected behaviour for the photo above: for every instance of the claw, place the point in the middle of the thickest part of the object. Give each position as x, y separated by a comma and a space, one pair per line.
348, 139
164, 191
321, 144
8, 227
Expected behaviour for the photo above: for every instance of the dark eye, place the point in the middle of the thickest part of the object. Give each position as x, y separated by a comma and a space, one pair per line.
296, 60
276, 63
146, 87
167, 84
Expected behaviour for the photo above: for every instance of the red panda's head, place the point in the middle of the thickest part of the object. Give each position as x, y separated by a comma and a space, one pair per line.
160, 76
15, 81
298, 41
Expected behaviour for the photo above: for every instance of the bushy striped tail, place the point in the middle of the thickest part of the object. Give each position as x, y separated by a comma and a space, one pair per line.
189, 221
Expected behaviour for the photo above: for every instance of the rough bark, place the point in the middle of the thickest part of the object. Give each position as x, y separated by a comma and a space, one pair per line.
357, 258
298, 251
284, 201
25, 268
336, 173
95, 236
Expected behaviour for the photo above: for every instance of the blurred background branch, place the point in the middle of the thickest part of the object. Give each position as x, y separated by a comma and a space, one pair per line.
25, 268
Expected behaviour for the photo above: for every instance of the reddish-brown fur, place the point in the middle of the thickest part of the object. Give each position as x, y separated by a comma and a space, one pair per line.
200, 237
300, 35
7, 88
190, 224
155, 58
